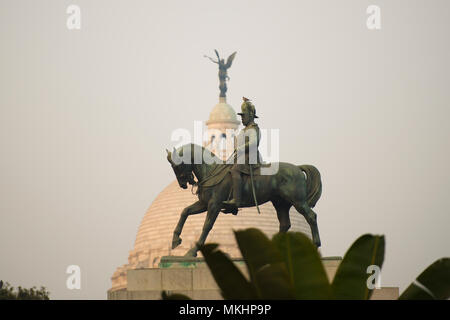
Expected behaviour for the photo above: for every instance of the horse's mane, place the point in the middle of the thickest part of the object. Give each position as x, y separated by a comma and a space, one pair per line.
193, 148
213, 171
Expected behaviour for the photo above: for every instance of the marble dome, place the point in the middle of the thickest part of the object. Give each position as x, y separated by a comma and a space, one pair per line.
222, 114
154, 236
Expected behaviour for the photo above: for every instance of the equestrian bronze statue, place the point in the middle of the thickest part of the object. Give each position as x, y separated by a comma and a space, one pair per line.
246, 179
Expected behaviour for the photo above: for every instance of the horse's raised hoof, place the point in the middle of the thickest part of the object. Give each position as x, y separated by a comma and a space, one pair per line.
191, 253
176, 241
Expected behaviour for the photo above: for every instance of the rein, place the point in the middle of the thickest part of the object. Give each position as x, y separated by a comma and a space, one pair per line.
198, 184
192, 188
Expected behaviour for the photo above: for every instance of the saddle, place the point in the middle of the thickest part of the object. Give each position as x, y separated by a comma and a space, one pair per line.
216, 176
221, 170
256, 168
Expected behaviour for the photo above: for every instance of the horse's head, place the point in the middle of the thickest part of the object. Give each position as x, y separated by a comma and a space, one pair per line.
183, 171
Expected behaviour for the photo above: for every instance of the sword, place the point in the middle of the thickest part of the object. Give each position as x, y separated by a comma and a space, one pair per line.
234, 152
253, 188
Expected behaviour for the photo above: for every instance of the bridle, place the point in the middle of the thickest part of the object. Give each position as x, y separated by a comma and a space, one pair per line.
183, 172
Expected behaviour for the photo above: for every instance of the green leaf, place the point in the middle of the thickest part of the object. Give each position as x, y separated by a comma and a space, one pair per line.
436, 280
230, 280
306, 272
274, 283
257, 251
350, 281
413, 292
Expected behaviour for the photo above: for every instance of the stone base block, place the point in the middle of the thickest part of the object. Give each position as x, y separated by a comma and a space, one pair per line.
193, 278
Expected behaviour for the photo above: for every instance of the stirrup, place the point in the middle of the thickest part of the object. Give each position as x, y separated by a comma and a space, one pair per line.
233, 210
229, 207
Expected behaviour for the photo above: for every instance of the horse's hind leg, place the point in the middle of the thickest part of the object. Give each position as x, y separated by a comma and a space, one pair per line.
311, 218
282, 207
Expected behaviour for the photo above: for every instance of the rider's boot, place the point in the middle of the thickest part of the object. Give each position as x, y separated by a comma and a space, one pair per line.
236, 201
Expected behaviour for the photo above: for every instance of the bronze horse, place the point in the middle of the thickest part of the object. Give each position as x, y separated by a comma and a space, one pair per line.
291, 185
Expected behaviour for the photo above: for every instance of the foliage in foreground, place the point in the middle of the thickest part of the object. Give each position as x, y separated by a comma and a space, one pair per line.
290, 267
7, 292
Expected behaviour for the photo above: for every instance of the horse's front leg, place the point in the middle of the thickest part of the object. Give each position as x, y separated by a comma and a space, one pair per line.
213, 212
197, 207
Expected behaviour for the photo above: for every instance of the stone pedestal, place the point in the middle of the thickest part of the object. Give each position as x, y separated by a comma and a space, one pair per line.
191, 277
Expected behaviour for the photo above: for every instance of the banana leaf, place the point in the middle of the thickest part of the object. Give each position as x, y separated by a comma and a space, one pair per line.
434, 283
350, 281
232, 283
306, 272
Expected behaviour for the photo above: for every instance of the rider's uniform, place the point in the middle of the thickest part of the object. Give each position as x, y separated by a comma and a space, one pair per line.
246, 149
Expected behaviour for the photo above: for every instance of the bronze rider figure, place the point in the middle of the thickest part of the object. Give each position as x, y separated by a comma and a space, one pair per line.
246, 151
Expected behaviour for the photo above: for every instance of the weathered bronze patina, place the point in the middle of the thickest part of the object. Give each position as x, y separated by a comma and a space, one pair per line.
246, 145
291, 185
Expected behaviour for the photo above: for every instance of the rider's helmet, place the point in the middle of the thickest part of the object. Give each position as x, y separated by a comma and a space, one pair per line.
248, 108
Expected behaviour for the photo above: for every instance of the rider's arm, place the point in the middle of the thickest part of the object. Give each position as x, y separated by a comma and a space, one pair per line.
251, 141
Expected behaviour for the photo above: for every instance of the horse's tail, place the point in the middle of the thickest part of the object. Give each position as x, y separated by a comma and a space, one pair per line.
313, 184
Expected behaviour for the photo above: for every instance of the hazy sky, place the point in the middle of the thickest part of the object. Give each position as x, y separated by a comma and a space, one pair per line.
86, 115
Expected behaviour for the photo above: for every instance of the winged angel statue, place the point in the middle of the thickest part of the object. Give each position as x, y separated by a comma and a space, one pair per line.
223, 67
